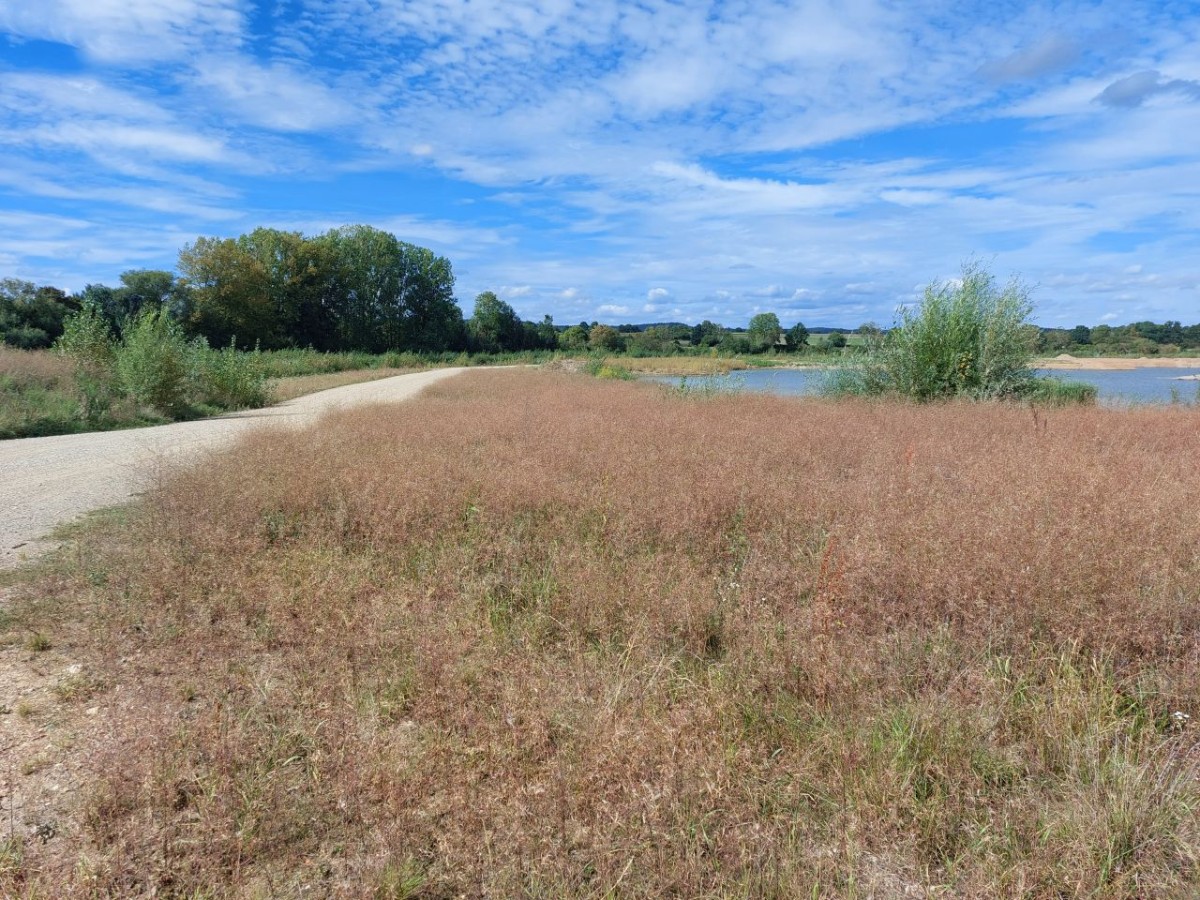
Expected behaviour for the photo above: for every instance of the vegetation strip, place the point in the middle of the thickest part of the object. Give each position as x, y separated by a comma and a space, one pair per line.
537, 634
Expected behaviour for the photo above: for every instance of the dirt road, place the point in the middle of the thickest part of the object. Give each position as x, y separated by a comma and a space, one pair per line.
46, 482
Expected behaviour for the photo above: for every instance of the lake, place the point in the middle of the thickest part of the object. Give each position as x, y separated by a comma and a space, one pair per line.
1115, 387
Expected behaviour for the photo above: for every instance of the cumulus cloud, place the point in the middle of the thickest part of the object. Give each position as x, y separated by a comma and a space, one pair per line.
657, 293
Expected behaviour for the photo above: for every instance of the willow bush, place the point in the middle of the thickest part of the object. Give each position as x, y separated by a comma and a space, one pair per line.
966, 338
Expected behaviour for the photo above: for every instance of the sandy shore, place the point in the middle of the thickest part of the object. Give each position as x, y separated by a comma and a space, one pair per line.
1117, 363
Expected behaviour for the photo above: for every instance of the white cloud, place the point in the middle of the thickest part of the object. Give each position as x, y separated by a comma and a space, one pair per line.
273, 97
610, 146
168, 143
125, 31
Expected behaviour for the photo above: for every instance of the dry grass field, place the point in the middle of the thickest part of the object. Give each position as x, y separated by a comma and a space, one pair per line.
540, 635
294, 386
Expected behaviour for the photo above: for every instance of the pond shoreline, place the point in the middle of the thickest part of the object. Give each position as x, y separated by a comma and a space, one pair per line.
1116, 363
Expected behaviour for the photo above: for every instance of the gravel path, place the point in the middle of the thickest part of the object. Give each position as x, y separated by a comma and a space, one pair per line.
46, 482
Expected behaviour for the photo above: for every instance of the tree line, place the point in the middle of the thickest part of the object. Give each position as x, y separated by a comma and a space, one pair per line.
351, 288
362, 289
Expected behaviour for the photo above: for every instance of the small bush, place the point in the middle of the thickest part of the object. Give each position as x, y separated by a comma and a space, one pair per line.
599, 367
152, 362
1056, 392
230, 379
87, 340
965, 338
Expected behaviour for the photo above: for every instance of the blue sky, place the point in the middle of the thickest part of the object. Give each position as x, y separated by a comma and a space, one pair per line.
624, 161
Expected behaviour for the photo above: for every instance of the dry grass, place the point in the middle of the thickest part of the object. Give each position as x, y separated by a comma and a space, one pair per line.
534, 635
35, 367
676, 365
37, 392
282, 389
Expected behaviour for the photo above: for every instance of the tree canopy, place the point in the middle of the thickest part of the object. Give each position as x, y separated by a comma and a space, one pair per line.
354, 287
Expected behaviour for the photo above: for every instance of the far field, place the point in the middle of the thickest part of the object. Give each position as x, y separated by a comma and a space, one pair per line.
536, 634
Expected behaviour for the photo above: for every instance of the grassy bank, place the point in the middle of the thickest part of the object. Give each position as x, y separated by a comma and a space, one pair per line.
42, 393
542, 635
687, 365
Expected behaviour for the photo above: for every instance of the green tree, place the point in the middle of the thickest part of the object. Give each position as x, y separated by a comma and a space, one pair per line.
764, 332
547, 334
146, 287
1081, 335
573, 338
797, 336
390, 295
707, 334
232, 293
494, 325
31, 317
1053, 340
352, 288
606, 338
735, 342
657, 340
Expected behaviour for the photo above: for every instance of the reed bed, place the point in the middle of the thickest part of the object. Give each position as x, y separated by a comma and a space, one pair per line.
539, 635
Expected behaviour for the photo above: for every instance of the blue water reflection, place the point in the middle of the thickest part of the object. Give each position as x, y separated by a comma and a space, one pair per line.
1147, 385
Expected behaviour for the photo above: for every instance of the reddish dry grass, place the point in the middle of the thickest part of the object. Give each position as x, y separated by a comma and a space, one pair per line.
538, 635
41, 367
289, 388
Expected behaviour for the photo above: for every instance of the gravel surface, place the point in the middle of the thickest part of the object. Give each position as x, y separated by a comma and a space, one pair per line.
46, 482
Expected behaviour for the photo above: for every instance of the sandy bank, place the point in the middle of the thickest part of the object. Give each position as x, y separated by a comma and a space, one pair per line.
1117, 363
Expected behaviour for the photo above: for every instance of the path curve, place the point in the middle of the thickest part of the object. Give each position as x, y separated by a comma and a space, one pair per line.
48, 481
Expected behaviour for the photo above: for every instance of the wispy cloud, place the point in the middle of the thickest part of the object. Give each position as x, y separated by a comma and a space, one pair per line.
1134, 90
126, 31
595, 158
1044, 57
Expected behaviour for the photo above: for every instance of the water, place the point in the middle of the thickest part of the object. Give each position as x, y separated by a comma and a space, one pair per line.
1115, 387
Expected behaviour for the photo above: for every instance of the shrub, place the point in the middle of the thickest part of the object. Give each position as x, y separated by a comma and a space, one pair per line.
86, 338
965, 338
228, 378
600, 367
1056, 392
152, 362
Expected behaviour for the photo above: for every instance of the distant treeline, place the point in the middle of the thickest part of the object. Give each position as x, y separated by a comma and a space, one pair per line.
352, 288
359, 288
1138, 337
